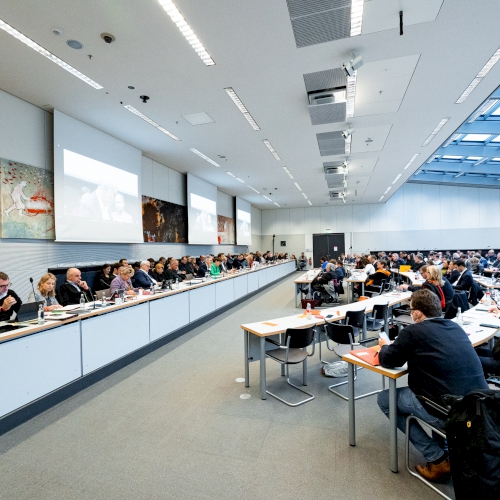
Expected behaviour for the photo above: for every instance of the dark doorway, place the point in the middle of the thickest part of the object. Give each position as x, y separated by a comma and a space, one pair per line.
327, 245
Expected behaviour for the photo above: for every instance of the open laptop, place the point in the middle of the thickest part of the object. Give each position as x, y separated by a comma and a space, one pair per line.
28, 311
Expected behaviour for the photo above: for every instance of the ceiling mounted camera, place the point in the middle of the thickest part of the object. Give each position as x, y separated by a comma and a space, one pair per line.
108, 37
347, 133
145, 98
57, 31
353, 65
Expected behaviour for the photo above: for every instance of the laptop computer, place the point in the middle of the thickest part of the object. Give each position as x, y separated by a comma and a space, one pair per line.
28, 311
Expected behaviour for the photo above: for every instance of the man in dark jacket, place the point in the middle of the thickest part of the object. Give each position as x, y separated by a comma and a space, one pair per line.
9, 300
441, 360
464, 281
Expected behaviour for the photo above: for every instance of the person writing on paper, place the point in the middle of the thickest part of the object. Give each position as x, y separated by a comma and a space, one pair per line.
71, 291
46, 287
123, 282
441, 360
9, 300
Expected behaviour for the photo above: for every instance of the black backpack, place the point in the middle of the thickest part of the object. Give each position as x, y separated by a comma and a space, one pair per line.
473, 433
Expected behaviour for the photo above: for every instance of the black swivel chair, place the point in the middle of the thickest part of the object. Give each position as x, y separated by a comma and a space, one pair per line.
293, 352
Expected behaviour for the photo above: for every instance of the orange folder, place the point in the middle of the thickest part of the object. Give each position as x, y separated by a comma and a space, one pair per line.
368, 355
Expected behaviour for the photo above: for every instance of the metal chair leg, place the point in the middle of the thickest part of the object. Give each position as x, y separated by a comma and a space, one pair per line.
311, 396
345, 398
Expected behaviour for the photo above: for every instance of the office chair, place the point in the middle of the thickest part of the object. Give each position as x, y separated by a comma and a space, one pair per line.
293, 352
379, 318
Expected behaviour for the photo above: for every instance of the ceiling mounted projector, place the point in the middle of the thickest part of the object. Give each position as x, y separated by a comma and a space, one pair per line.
353, 65
347, 133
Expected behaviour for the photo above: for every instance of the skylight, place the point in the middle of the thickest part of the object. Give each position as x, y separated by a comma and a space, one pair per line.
474, 158
476, 137
496, 139
447, 157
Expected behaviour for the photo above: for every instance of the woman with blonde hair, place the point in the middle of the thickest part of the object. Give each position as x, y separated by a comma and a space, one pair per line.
123, 282
46, 292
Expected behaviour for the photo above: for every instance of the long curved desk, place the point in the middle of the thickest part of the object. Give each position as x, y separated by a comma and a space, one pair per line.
37, 360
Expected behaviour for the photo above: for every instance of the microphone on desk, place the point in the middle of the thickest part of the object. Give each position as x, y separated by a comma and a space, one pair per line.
32, 286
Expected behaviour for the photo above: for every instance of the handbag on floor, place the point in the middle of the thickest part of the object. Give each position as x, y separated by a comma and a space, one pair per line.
337, 369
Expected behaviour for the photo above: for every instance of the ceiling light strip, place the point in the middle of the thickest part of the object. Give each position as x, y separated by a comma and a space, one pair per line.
304, 195
308, 201
397, 178
232, 94
483, 109
413, 158
475, 82
151, 122
381, 198
270, 147
441, 124
356, 16
387, 190
348, 145
277, 205
253, 189
267, 198
206, 158
44, 52
350, 95
186, 30
297, 186
240, 180
288, 172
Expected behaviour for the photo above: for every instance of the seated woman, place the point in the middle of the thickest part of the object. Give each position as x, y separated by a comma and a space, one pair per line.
157, 273
46, 287
123, 282
375, 280
476, 267
104, 278
215, 268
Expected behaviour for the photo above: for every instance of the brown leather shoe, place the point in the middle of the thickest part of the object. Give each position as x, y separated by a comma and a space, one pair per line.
435, 473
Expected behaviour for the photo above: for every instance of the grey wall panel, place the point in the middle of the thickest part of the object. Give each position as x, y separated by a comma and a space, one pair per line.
201, 302
167, 315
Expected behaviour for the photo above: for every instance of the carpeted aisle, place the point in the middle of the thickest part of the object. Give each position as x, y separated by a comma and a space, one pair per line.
173, 425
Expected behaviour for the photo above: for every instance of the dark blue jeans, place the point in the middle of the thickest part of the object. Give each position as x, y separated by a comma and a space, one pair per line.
432, 448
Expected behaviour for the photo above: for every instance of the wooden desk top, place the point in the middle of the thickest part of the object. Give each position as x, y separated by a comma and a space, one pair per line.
270, 327
357, 277
486, 282
89, 313
307, 278
388, 372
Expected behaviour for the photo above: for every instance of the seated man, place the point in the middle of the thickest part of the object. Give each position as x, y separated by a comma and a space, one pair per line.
441, 360
71, 291
464, 281
374, 281
323, 279
491, 258
173, 272
204, 267
142, 279
396, 261
9, 300
322, 262
419, 262
302, 262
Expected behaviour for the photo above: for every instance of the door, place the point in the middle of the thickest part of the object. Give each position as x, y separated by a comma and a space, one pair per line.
327, 245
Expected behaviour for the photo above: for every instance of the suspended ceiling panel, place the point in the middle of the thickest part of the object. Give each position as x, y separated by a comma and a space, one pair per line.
381, 85
331, 143
381, 15
362, 167
369, 139
327, 79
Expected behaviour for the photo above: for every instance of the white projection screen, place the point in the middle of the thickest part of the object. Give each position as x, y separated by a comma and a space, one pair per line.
202, 211
97, 185
243, 222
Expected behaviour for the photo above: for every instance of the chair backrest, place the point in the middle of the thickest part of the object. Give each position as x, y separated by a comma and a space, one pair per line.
341, 334
355, 318
106, 293
385, 285
299, 337
380, 311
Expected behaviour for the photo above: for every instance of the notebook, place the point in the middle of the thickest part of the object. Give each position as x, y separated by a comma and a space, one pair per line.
368, 355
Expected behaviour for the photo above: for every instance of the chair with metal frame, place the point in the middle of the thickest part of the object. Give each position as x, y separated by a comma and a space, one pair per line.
385, 286
437, 410
379, 318
343, 336
293, 352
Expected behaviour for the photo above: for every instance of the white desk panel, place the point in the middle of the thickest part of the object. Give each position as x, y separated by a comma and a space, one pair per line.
240, 286
38, 364
274, 274
201, 302
168, 314
253, 282
263, 277
224, 293
110, 336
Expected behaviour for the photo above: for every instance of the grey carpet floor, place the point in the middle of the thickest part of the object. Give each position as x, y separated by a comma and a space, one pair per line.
172, 425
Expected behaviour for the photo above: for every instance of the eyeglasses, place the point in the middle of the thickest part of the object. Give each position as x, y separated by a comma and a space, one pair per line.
8, 285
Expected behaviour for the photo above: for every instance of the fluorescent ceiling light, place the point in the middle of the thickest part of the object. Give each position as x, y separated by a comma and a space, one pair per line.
449, 157
351, 94
231, 174
495, 159
484, 71
297, 186
288, 172
206, 158
267, 198
496, 139
186, 30
253, 189
397, 178
484, 109
441, 124
356, 16
460, 174
151, 122
413, 158
232, 94
44, 52
475, 137
276, 204
381, 198
270, 147
348, 145
308, 201
496, 112
304, 195
473, 158
240, 180
388, 189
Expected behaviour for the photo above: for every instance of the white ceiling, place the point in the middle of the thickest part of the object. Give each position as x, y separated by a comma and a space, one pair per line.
420, 75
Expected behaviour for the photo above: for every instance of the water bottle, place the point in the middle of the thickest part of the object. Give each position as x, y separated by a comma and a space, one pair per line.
459, 320
41, 315
152, 290
82, 301
487, 299
103, 301
308, 310
393, 285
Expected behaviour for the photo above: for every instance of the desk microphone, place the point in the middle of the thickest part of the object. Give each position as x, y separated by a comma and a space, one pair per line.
32, 286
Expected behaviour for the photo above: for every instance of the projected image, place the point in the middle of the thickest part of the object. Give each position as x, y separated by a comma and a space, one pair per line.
97, 191
243, 223
204, 211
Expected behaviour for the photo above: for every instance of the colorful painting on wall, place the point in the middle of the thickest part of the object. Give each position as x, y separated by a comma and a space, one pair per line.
163, 222
26, 201
225, 227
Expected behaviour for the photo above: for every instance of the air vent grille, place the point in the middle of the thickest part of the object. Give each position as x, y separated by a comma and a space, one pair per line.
331, 143
327, 113
327, 79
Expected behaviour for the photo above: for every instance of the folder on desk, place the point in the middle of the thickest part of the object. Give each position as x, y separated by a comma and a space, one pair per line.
368, 355
404, 269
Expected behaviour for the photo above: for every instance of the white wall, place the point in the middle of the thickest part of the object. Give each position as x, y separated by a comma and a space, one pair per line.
26, 136
225, 205
418, 216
